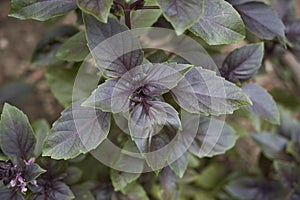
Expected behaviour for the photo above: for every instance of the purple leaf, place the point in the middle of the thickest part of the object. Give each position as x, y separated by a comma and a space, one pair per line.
263, 103
243, 63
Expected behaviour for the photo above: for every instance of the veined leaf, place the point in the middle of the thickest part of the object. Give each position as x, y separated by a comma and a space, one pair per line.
78, 130
260, 19
202, 91
220, 23
16, 135
243, 63
150, 79
182, 13
114, 55
98, 8
40, 9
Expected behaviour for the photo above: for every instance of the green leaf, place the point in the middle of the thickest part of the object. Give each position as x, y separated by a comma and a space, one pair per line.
243, 63
144, 18
78, 130
44, 53
16, 136
58, 77
41, 129
99, 9
73, 175
213, 137
32, 171
82, 193
180, 165
220, 24
10, 194
272, 145
263, 103
211, 175
122, 179
260, 19
40, 9
111, 61
75, 49
182, 13
70, 92
202, 91
135, 192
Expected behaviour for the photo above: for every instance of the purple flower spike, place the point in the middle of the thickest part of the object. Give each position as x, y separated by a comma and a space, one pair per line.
30, 161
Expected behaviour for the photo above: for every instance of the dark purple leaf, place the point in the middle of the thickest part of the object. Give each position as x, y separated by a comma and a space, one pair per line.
243, 63
263, 103
272, 145
10, 194
180, 165
288, 173
15, 92
16, 136
202, 91
260, 19
78, 130
114, 54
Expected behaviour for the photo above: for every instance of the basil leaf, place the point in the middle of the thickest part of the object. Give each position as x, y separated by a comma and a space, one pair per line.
220, 24
243, 63
99, 9
78, 130
16, 135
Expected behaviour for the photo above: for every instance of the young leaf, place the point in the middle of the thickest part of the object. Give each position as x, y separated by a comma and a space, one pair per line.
263, 103
78, 130
202, 91
182, 13
40, 9
149, 79
32, 171
243, 63
16, 135
260, 19
213, 137
273, 146
147, 119
220, 24
75, 49
41, 129
112, 61
99, 9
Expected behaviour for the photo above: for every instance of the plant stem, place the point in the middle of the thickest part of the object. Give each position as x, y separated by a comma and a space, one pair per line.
127, 11
148, 7
135, 4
